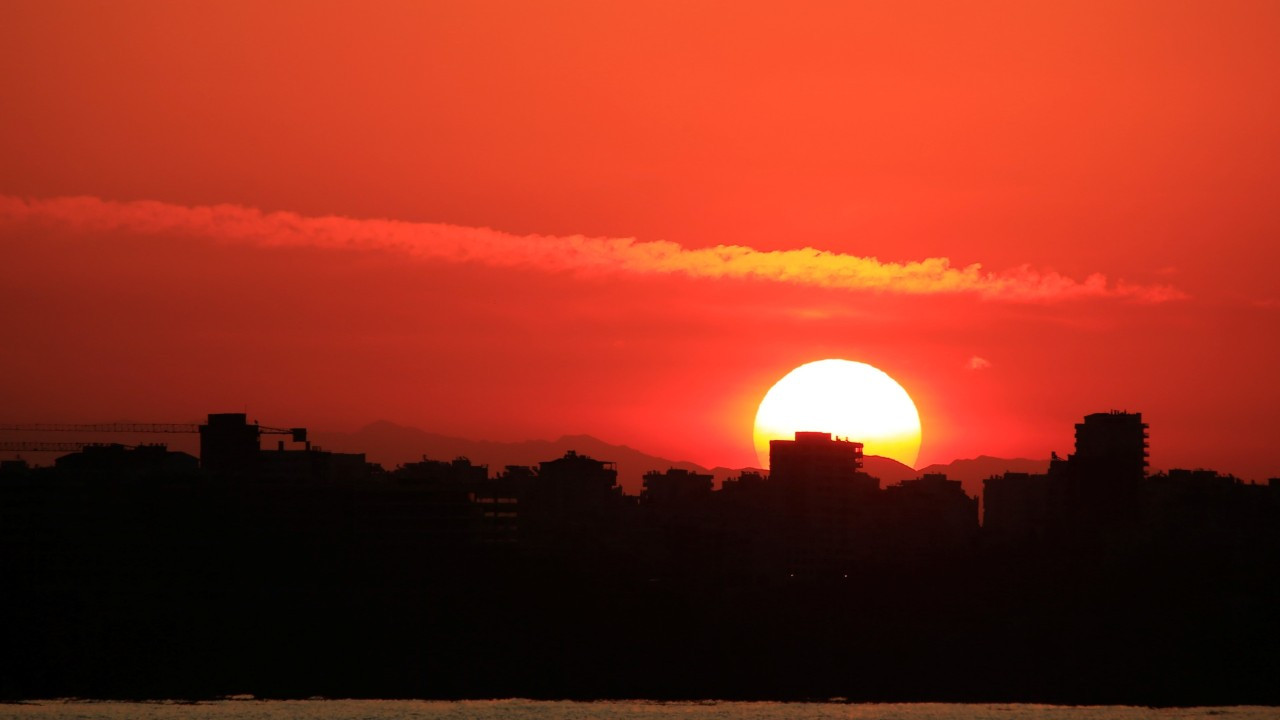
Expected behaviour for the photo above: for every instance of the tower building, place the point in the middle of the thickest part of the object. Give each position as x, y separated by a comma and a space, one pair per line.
814, 458
1111, 444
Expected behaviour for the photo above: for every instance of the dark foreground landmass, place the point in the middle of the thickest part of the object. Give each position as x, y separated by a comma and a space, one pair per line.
1083, 634
147, 576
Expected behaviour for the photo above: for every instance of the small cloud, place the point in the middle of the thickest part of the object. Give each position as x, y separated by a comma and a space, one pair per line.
978, 363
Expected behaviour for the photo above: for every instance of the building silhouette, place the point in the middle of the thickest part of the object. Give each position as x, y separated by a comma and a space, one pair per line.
675, 487
229, 445
1101, 495
817, 461
825, 503
573, 502
138, 462
1017, 507
289, 571
930, 515
1112, 444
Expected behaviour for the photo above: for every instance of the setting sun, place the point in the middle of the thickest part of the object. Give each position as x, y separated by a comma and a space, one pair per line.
849, 399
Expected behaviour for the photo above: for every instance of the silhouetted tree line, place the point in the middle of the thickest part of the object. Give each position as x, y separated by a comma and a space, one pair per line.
140, 572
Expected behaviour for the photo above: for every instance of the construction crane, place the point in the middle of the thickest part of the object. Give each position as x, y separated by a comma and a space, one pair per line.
241, 432
296, 434
105, 427
229, 444
49, 447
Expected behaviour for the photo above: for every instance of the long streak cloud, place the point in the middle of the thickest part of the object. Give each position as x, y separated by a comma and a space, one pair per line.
574, 253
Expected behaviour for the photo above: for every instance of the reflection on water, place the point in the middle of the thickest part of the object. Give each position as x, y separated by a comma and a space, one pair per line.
623, 710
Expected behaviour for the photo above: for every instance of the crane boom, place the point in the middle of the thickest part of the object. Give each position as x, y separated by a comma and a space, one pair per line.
298, 434
105, 427
51, 447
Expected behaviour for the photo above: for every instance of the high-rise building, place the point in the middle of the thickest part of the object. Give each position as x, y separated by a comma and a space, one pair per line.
1111, 444
815, 459
823, 501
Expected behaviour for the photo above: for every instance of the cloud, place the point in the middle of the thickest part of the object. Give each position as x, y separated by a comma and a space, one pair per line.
573, 253
978, 363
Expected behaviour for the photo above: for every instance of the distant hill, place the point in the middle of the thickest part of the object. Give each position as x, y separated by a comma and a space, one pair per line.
973, 471
889, 471
390, 445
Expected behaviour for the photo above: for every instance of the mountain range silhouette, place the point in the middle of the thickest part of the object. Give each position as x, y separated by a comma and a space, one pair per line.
390, 444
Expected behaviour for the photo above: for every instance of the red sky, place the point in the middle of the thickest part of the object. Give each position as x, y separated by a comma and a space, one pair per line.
519, 220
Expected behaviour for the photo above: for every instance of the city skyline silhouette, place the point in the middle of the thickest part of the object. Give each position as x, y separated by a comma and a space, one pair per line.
288, 550
433, 350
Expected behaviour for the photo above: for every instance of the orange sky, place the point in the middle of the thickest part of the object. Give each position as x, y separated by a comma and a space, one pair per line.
518, 220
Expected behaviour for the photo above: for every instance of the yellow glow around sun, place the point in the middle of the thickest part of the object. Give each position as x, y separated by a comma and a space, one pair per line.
848, 399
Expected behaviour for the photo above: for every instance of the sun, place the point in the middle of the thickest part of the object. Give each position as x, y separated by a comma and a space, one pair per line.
848, 399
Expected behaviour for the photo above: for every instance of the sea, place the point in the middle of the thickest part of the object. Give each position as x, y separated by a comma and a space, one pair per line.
251, 709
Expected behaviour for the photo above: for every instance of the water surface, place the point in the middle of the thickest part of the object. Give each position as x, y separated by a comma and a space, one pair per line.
243, 709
